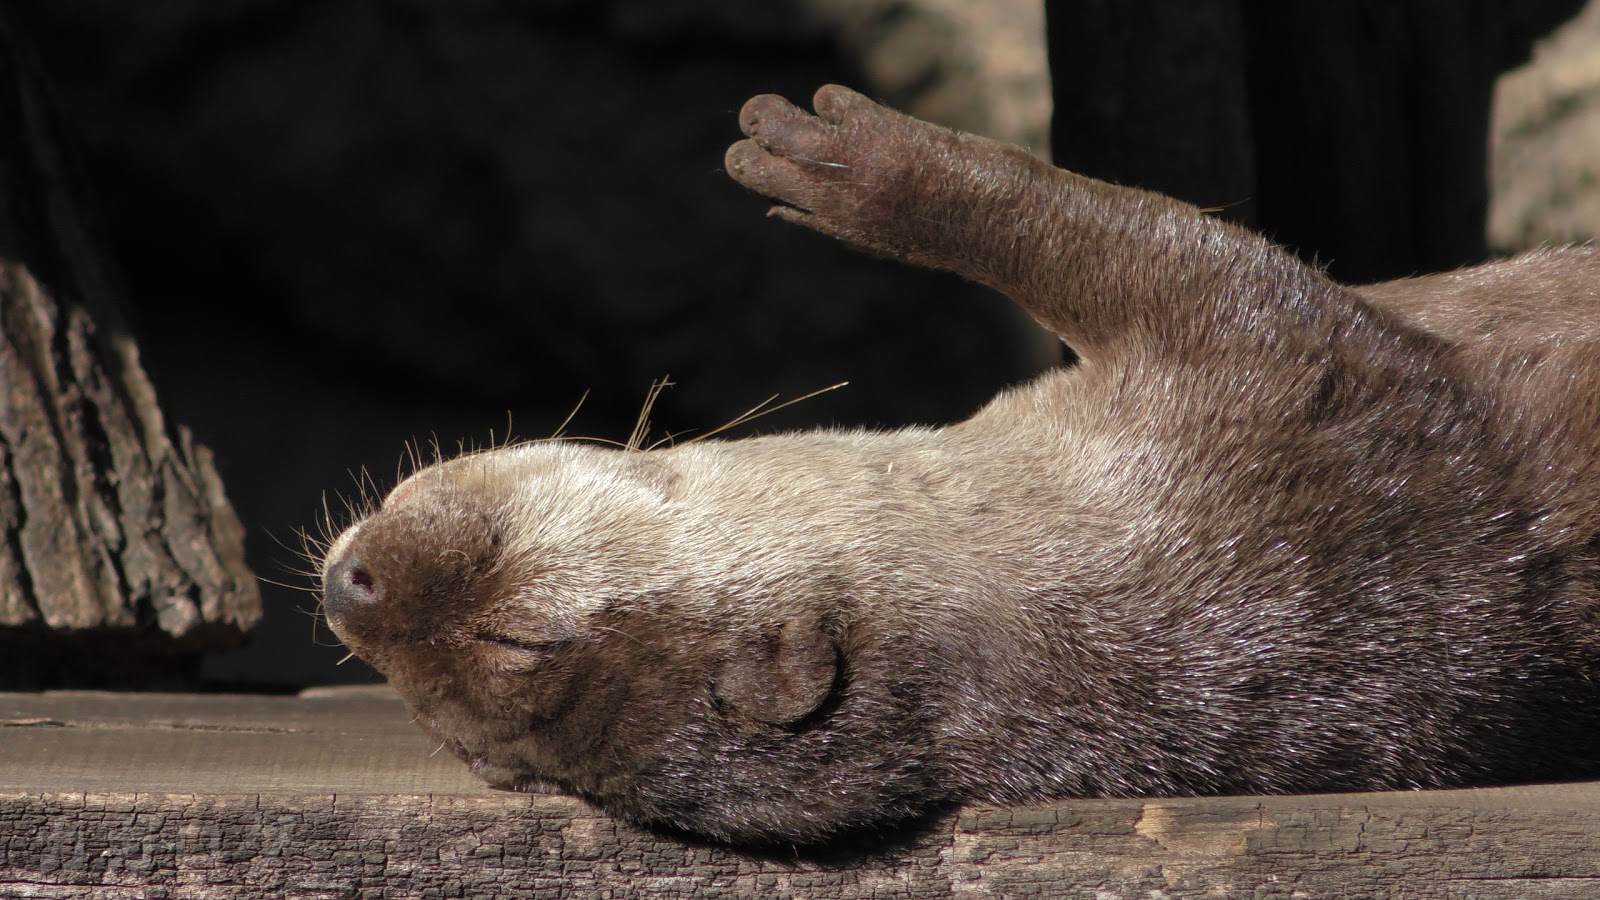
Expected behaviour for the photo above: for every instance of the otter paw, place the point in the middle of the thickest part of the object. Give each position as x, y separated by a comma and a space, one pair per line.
825, 170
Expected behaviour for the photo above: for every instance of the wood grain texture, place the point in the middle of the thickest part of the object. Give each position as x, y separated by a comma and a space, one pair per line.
336, 795
120, 558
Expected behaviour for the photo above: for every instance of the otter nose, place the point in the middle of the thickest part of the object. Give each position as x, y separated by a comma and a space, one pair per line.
347, 586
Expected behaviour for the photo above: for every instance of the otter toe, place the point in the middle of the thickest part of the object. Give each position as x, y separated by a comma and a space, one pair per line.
760, 171
834, 103
787, 131
766, 114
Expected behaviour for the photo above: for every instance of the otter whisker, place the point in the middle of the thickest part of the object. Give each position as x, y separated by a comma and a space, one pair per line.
617, 631
669, 439
302, 588
507, 440
761, 409
562, 428
641, 426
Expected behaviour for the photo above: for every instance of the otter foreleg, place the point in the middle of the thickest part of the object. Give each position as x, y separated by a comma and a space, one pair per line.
1098, 264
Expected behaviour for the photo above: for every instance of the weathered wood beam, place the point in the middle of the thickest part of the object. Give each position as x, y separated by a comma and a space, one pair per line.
336, 795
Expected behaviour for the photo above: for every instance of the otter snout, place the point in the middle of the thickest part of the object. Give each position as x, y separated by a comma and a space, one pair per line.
347, 585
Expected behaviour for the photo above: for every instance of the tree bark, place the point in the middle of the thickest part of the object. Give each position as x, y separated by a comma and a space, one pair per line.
120, 558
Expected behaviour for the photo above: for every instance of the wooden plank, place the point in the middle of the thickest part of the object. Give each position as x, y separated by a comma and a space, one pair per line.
336, 795
344, 741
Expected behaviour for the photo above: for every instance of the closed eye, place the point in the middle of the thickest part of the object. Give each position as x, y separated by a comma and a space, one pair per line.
532, 651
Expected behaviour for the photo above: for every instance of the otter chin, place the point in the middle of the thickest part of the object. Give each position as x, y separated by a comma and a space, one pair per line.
1271, 534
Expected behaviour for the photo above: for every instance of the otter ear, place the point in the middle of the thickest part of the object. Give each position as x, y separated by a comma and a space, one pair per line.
781, 673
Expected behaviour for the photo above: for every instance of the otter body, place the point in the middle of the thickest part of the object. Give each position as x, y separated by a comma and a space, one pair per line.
1271, 534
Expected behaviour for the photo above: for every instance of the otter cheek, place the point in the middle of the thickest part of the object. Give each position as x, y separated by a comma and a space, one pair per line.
543, 693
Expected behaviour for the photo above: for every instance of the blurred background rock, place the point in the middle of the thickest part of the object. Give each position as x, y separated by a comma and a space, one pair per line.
347, 225
1546, 142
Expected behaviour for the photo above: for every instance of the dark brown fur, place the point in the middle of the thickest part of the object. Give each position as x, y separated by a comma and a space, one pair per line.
1271, 534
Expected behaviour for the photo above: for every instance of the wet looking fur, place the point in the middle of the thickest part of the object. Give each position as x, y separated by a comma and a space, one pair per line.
1272, 534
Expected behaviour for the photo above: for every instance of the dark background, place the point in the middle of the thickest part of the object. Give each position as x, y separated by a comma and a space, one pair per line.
346, 225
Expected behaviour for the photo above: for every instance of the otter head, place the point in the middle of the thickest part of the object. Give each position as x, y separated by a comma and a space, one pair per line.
566, 616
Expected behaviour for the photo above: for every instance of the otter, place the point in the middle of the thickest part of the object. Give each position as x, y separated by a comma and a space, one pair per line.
1269, 534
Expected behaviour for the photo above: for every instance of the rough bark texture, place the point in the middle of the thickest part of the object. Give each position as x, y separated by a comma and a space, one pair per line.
90, 805
249, 845
120, 559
